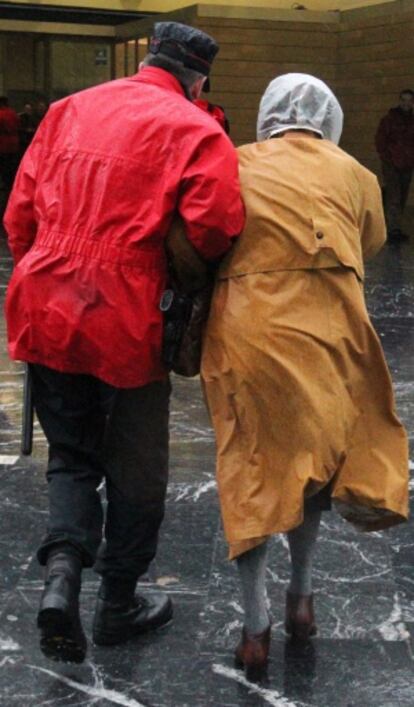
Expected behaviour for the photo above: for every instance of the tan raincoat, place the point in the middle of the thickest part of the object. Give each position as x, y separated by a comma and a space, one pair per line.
295, 378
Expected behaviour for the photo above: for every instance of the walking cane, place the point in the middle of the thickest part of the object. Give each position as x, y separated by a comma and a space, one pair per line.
27, 417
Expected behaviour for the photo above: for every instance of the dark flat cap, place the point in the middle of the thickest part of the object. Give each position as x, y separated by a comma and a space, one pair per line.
194, 48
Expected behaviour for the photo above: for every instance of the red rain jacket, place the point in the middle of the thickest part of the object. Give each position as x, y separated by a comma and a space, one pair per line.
93, 200
9, 126
395, 138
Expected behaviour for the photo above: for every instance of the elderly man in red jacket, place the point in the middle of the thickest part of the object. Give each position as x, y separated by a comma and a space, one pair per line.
86, 223
395, 145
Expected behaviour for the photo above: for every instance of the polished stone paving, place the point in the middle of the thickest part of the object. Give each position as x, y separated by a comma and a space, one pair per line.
364, 584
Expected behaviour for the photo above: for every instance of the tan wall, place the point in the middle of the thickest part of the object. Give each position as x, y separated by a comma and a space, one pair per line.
171, 5
252, 52
22, 67
366, 56
32, 65
74, 65
375, 62
18, 62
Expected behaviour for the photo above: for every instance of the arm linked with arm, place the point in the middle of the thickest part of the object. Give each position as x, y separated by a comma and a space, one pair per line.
210, 202
187, 268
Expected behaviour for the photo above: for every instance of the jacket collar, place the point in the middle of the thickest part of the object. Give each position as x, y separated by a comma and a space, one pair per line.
158, 77
399, 111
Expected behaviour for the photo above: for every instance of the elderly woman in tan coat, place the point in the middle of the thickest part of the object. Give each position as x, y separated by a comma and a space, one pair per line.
297, 386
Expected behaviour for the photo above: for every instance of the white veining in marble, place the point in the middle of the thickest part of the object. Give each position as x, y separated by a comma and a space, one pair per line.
275, 577
203, 488
97, 691
393, 628
236, 606
272, 697
8, 459
281, 538
354, 546
192, 491
230, 627
8, 644
409, 611
184, 430
326, 576
340, 630
7, 661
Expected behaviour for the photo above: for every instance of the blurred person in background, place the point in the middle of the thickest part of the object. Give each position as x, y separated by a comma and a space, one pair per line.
395, 145
9, 144
27, 127
41, 107
216, 112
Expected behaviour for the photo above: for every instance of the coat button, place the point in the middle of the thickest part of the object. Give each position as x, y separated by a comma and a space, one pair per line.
319, 234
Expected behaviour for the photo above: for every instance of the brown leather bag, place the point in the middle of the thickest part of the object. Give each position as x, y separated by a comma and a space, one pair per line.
186, 304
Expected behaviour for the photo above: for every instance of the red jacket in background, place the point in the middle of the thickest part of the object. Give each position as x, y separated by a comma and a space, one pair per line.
93, 200
9, 127
395, 138
216, 112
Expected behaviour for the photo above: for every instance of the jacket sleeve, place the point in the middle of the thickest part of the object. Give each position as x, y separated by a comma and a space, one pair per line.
372, 222
210, 203
381, 138
19, 219
190, 271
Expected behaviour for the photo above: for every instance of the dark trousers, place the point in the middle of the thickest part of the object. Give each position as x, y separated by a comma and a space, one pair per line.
396, 188
97, 432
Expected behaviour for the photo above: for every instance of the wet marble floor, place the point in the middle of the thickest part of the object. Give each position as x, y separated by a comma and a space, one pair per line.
364, 584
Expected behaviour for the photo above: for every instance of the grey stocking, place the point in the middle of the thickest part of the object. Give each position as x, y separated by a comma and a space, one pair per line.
252, 569
302, 542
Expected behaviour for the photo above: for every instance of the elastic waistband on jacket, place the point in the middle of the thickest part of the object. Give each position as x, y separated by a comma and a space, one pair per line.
143, 255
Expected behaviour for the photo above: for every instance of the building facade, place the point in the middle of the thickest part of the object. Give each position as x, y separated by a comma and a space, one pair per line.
366, 54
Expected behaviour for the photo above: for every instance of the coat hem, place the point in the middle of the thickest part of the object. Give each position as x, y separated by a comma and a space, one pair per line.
378, 518
139, 382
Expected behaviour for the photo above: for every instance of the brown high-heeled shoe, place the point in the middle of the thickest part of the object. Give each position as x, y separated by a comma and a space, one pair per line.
300, 618
252, 654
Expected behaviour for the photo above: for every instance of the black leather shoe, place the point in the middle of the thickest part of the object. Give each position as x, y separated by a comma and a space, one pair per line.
61, 634
118, 622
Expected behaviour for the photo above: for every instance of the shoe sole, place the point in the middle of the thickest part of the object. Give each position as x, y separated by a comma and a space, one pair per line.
57, 642
106, 639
